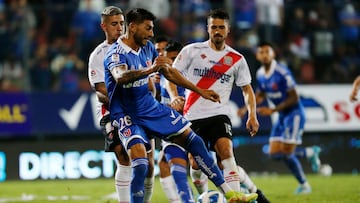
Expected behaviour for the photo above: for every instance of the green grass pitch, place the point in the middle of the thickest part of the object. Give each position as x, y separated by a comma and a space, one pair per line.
339, 188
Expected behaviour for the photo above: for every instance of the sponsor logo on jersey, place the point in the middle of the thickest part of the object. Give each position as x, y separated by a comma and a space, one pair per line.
212, 74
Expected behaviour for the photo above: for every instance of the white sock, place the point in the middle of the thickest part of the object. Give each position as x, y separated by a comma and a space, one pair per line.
170, 190
199, 179
231, 173
148, 188
122, 182
309, 152
245, 179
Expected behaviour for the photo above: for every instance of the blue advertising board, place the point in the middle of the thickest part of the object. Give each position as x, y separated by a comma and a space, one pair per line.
73, 114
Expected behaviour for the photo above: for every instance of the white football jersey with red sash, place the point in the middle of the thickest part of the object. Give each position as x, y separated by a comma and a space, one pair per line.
210, 69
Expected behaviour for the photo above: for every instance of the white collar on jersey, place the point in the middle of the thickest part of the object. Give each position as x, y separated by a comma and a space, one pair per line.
127, 48
272, 69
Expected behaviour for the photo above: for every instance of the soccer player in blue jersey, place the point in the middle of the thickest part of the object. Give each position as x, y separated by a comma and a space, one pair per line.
112, 23
276, 83
133, 109
173, 161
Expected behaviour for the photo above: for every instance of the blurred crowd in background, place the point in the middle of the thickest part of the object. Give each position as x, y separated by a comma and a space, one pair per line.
45, 44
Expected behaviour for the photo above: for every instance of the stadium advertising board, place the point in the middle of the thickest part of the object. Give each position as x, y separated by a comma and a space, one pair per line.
327, 107
14, 114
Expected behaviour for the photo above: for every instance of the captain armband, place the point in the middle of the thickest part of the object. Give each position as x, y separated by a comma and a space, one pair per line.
118, 71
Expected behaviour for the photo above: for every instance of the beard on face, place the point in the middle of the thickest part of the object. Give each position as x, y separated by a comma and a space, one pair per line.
139, 40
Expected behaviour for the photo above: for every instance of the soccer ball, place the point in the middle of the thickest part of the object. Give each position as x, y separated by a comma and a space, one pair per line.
211, 196
326, 170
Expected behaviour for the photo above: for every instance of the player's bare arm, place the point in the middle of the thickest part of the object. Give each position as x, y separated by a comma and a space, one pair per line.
291, 100
101, 93
174, 76
252, 124
123, 76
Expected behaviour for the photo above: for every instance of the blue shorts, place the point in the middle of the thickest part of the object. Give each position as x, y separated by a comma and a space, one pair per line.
162, 122
289, 128
131, 134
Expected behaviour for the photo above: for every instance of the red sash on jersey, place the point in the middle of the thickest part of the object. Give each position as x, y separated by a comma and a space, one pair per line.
223, 65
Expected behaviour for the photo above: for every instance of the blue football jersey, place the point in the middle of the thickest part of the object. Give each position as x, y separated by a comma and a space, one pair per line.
276, 83
135, 98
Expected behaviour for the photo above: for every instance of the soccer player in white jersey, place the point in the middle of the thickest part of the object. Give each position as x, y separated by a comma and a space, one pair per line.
128, 65
215, 65
112, 23
276, 83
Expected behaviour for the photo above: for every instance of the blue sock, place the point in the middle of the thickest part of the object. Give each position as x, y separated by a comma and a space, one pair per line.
300, 152
140, 168
180, 176
295, 167
195, 145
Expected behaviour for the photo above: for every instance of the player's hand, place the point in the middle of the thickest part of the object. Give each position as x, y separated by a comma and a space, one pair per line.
353, 96
252, 125
210, 95
161, 62
265, 111
178, 103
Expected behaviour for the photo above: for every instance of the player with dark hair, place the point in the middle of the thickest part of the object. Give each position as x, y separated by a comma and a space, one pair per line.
276, 83
214, 65
133, 110
112, 23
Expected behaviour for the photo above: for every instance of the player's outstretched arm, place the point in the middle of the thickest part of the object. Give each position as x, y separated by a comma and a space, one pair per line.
174, 76
123, 76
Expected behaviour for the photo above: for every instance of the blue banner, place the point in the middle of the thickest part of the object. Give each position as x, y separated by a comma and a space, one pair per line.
14, 114
74, 114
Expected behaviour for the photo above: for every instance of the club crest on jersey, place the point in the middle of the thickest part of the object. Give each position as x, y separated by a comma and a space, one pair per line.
115, 57
203, 56
148, 63
127, 132
92, 73
228, 60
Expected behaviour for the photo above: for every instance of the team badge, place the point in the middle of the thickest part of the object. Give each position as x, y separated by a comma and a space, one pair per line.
115, 57
127, 132
148, 63
228, 60
203, 56
92, 73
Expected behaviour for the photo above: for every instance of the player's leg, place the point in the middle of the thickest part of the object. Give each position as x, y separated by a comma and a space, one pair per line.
137, 144
283, 142
123, 169
177, 159
311, 153
167, 181
195, 145
122, 174
149, 180
199, 179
